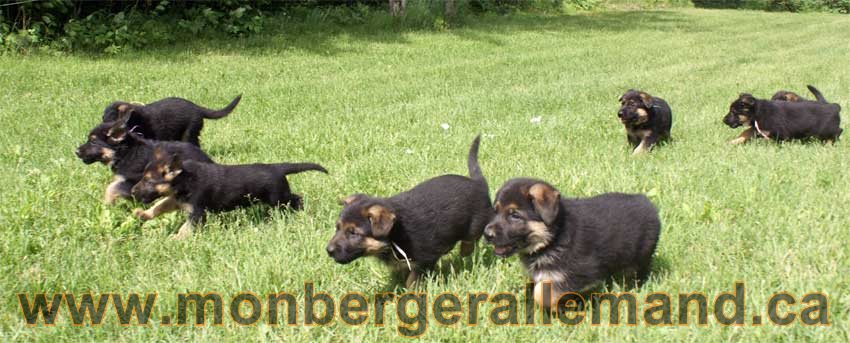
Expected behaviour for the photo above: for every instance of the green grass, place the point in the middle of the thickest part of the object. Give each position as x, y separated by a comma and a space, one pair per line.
369, 105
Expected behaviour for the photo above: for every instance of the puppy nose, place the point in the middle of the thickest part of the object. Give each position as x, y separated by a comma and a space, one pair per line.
330, 249
77, 152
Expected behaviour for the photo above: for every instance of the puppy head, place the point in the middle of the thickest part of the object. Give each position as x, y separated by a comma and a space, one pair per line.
526, 213
634, 107
158, 176
117, 109
103, 140
363, 229
741, 111
785, 96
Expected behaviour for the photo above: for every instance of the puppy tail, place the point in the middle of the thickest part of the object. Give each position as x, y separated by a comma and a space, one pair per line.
210, 114
816, 92
294, 168
472, 162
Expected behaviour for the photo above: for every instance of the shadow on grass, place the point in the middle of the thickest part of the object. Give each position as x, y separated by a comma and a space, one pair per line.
330, 40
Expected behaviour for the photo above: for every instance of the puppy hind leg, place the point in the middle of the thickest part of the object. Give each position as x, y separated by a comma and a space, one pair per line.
118, 188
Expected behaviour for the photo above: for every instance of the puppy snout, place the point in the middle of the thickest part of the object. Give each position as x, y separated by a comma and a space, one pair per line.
621, 114
330, 249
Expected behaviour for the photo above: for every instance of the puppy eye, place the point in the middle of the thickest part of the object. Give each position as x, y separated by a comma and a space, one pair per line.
351, 233
514, 215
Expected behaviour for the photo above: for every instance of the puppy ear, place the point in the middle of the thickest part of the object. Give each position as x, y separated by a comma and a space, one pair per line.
118, 131
646, 98
747, 99
546, 201
350, 199
174, 168
382, 220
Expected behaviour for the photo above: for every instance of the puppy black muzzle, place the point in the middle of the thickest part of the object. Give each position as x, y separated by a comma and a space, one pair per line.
89, 153
144, 193
731, 120
504, 244
340, 254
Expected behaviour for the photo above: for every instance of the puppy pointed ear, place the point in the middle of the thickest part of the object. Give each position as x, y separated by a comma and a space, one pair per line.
382, 220
747, 98
646, 98
350, 199
118, 131
174, 168
546, 201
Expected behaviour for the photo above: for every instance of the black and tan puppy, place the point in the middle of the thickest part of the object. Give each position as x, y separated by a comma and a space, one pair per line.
647, 119
793, 97
572, 244
127, 154
198, 187
169, 119
413, 229
784, 120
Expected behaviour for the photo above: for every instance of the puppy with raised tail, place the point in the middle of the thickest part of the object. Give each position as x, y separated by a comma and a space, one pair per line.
169, 119
572, 244
197, 187
413, 229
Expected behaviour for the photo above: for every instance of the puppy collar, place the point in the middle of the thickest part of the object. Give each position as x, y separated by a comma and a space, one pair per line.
403, 254
133, 130
756, 123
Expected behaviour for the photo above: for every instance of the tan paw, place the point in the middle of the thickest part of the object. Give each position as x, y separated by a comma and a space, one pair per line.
141, 214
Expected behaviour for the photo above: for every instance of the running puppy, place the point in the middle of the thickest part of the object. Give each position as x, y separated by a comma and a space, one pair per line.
647, 119
793, 97
412, 230
169, 119
198, 187
784, 120
127, 154
572, 244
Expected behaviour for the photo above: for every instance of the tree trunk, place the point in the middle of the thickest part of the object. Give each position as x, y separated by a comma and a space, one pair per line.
397, 7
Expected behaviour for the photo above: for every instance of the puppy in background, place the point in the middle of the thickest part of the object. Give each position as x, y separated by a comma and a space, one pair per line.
572, 244
784, 120
647, 119
793, 97
169, 119
126, 154
197, 187
413, 229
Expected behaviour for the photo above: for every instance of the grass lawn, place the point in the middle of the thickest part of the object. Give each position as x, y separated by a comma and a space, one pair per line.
369, 106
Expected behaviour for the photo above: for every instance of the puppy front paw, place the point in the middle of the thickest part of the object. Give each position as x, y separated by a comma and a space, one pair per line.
141, 214
737, 141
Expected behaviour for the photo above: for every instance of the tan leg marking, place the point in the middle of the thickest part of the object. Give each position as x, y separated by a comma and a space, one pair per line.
412, 279
184, 232
164, 205
641, 148
744, 136
112, 192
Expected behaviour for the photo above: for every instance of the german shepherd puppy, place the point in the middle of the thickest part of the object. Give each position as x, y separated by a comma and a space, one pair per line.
572, 244
127, 154
793, 97
413, 229
784, 120
169, 119
198, 187
647, 119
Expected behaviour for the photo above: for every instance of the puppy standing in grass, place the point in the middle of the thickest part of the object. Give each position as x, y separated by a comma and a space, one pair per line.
647, 119
784, 120
412, 230
572, 244
197, 187
115, 145
169, 119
